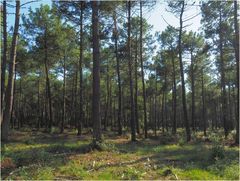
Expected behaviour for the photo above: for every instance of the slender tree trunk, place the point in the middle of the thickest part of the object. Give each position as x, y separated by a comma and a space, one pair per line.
19, 102
136, 87
96, 75
163, 98
39, 106
230, 106
48, 82
203, 106
13, 104
165, 108
193, 91
9, 91
142, 72
107, 100
236, 27
188, 133
75, 107
155, 104
223, 86
46, 107
118, 75
132, 121
4, 56
111, 102
64, 93
80, 121
174, 97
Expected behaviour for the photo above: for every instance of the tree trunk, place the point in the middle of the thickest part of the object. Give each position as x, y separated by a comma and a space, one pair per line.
155, 104
96, 75
10, 86
203, 106
39, 106
136, 87
188, 133
106, 116
223, 86
174, 96
64, 93
13, 104
118, 75
163, 98
4, 56
132, 121
75, 100
48, 82
80, 121
236, 27
230, 106
142, 72
193, 91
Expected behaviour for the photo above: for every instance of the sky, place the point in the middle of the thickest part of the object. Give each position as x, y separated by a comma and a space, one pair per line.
156, 17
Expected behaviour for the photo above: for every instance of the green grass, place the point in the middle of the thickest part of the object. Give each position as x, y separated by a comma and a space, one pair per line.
54, 156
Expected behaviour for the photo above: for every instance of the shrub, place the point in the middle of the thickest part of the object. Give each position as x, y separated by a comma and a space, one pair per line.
181, 142
217, 152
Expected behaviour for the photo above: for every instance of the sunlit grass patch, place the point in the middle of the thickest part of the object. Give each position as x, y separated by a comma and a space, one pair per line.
45, 173
195, 174
73, 169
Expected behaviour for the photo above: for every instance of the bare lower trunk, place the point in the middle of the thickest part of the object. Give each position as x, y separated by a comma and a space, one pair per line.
174, 97
64, 92
193, 92
80, 121
142, 72
236, 27
10, 86
203, 107
184, 103
136, 87
223, 87
48, 88
96, 75
118, 75
132, 121
4, 57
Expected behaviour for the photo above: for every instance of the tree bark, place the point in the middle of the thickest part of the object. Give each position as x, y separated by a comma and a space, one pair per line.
163, 105
223, 86
193, 91
136, 87
203, 106
49, 95
174, 96
132, 121
64, 93
10, 86
39, 106
4, 56
118, 75
96, 75
142, 72
80, 121
188, 133
155, 104
106, 116
236, 27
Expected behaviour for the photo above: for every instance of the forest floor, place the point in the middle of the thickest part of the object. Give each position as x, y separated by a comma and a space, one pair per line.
33, 155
